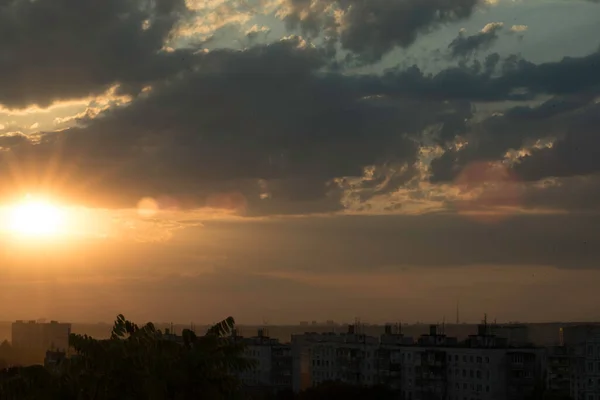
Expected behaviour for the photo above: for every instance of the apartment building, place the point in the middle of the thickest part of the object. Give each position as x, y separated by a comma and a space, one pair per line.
33, 335
483, 367
273, 363
582, 345
558, 375
347, 357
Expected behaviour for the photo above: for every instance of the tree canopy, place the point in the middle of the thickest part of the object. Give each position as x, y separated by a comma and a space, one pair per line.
137, 362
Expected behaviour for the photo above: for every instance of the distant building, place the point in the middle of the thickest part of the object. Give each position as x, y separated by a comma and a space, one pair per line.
41, 336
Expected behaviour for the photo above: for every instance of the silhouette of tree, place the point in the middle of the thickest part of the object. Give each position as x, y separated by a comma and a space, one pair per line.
137, 363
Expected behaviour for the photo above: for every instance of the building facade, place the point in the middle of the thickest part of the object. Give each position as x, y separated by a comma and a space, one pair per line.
483, 367
273, 363
41, 336
582, 345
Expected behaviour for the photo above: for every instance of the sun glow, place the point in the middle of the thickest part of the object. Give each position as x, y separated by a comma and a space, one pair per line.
35, 218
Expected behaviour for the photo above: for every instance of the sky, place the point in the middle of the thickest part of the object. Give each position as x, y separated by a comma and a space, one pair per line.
288, 160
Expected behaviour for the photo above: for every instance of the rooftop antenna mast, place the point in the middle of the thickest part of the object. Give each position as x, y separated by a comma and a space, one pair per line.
457, 312
485, 324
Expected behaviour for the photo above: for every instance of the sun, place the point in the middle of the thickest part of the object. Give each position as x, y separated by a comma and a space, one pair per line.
35, 218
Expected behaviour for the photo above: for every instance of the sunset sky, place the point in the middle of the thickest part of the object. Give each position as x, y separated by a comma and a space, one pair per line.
287, 160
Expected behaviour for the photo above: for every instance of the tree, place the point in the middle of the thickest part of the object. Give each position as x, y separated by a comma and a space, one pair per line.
139, 363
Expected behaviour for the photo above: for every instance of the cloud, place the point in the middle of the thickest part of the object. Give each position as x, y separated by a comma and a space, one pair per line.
519, 28
276, 128
555, 139
269, 130
49, 53
465, 46
261, 115
573, 154
372, 29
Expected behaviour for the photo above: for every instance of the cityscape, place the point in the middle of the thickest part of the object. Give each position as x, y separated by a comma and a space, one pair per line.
494, 361
299, 199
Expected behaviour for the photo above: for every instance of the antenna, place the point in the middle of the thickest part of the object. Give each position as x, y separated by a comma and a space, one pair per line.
457, 312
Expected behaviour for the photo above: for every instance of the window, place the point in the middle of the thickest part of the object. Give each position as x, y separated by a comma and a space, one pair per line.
487, 360
478, 374
479, 360
518, 358
487, 388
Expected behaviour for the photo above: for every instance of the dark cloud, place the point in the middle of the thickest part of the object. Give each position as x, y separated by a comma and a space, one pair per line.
465, 46
568, 116
273, 129
371, 29
261, 114
568, 120
577, 153
58, 49
12, 139
495, 80
269, 125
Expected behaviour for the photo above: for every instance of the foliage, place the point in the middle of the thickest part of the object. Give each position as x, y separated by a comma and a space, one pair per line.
137, 363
